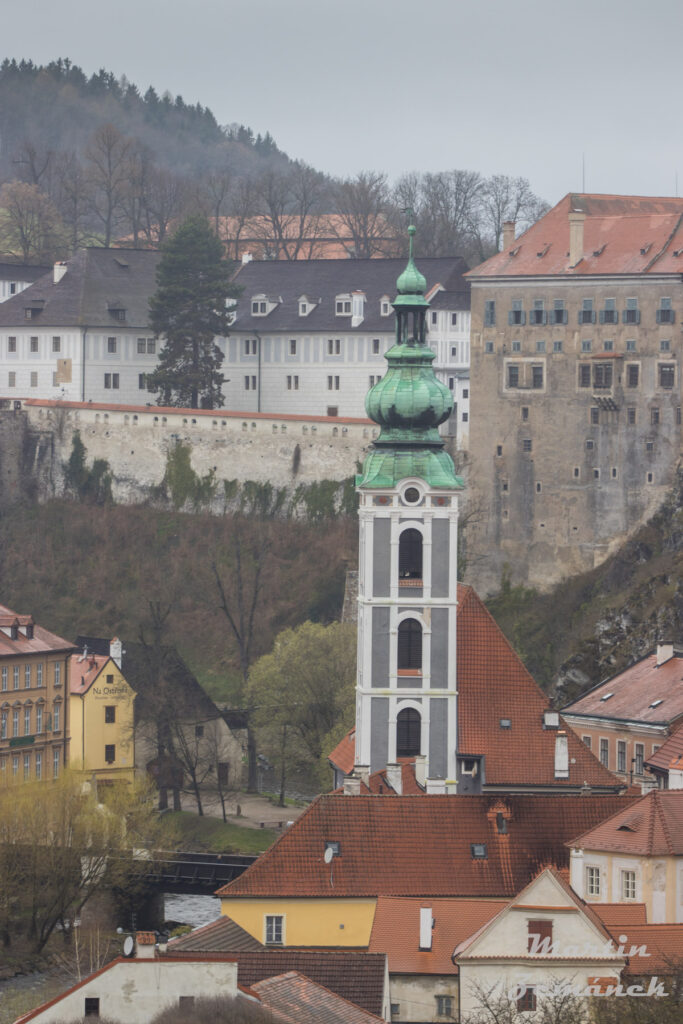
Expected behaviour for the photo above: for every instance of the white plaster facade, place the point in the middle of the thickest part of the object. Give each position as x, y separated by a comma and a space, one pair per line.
136, 990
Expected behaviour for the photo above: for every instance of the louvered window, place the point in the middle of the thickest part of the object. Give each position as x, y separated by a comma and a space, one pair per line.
410, 555
408, 729
410, 645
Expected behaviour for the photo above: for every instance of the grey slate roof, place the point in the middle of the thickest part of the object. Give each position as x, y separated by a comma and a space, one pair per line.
324, 280
21, 271
96, 280
220, 936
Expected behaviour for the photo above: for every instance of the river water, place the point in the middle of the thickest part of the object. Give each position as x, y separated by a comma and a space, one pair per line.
192, 910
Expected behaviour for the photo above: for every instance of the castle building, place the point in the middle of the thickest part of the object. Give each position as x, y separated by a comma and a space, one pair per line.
407, 598
576, 350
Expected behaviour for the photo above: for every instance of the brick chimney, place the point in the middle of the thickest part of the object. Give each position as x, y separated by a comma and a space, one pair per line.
508, 234
145, 945
576, 219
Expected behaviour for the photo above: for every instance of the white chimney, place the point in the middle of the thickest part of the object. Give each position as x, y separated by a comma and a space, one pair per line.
576, 219
116, 651
435, 786
357, 308
426, 924
508, 234
246, 258
561, 755
664, 653
394, 777
363, 773
145, 945
351, 786
421, 769
58, 272
676, 773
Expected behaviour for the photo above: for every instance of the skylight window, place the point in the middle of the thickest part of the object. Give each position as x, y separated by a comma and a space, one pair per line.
506, 723
656, 703
607, 696
478, 851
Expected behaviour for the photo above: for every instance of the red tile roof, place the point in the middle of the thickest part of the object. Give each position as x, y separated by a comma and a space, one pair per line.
620, 915
396, 931
356, 976
622, 235
664, 946
670, 754
651, 827
295, 999
634, 691
421, 845
42, 642
494, 684
342, 757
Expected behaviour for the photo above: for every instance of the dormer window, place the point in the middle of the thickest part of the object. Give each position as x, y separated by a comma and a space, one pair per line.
385, 306
342, 305
118, 313
259, 308
303, 308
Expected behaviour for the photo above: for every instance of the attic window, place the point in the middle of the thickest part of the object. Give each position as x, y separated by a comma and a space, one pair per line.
118, 313
259, 308
501, 824
506, 723
342, 306
606, 696
656, 703
478, 851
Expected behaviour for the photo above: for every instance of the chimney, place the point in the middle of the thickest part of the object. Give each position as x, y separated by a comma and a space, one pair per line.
664, 653
435, 786
351, 786
576, 219
357, 308
363, 773
116, 651
395, 777
508, 234
421, 770
561, 755
426, 925
58, 272
145, 945
246, 258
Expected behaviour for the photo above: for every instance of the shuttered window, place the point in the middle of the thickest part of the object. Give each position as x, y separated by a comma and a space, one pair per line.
410, 645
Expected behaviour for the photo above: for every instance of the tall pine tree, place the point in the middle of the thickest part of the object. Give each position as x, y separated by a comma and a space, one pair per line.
189, 311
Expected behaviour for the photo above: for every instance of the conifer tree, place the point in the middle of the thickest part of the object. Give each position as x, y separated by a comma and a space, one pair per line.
189, 311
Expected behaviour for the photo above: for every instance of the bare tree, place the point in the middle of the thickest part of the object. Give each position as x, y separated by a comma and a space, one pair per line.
166, 197
31, 227
212, 194
243, 205
72, 197
107, 158
35, 165
362, 204
444, 206
503, 198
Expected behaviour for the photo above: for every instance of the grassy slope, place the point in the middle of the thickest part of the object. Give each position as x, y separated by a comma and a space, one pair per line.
215, 836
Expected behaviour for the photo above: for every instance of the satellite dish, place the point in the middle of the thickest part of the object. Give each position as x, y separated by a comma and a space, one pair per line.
128, 945
329, 854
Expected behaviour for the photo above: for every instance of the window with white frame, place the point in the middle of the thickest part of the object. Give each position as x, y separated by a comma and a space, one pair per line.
15, 677
274, 929
3, 725
15, 722
333, 383
27, 767
250, 383
4, 677
444, 1006
111, 381
15, 765
592, 881
259, 307
342, 305
292, 383
334, 346
39, 765
27, 675
55, 718
39, 718
33, 344
55, 763
639, 758
628, 885
58, 674
375, 346
39, 674
604, 752
621, 756
292, 346
27, 721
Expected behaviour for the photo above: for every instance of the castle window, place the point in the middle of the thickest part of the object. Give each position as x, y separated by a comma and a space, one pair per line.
513, 375
526, 1002
608, 346
665, 314
584, 375
586, 313
654, 416
602, 375
631, 315
632, 375
516, 316
537, 314
665, 345
488, 347
595, 414
516, 346
559, 313
631, 415
557, 346
409, 646
667, 375
408, 730
410, 555
537, 377
608, 315
490, 313
526, 444
586, 345
540, 346
631, 345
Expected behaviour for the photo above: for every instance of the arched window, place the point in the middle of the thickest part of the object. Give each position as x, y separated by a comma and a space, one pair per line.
408, 728
410, 555
410, 645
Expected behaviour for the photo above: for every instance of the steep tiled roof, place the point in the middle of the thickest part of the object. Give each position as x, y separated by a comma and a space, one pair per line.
622, 235
83, 671
322, 280
356, 976
42, 642
421, 845
396, 931
96, 281
663, 944
652, 826
343, 754
295, 999
670, 754
493, 684
634, 691
619, 915
221, 936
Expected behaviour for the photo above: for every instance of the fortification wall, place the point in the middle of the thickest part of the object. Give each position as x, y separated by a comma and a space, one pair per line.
284, 453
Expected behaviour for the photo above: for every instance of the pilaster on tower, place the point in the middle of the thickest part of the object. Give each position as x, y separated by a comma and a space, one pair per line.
406, 689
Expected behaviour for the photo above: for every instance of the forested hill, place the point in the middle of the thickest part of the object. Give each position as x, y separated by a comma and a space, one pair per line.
56, 108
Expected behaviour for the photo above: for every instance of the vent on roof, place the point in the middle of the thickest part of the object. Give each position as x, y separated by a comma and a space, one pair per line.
645, 249
678, 252
478, 851
513, 252
599, 252
656, 703
543, 251
121, 262
607, 696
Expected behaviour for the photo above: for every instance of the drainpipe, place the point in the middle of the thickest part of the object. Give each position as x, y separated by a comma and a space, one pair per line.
85, 333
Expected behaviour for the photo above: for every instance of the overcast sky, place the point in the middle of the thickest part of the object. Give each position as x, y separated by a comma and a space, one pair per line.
518, 87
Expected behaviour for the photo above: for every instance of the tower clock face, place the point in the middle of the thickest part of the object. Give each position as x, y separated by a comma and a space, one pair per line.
411, 496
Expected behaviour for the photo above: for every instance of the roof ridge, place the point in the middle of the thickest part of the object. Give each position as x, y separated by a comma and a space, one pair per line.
659, 811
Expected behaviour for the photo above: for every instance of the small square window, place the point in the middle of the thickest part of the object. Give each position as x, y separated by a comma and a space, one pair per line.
478, 851
110, 714
590, 445
557, 346
665, 345
585, 346
488, 347
516, 346
526, 444
631, 345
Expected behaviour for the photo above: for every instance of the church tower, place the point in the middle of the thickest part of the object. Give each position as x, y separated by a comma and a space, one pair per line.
406, 692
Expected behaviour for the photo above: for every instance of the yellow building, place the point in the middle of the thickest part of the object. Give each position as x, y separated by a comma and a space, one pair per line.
34, 681
101, 709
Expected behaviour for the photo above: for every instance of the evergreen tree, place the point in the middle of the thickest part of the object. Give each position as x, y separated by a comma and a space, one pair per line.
189, 311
